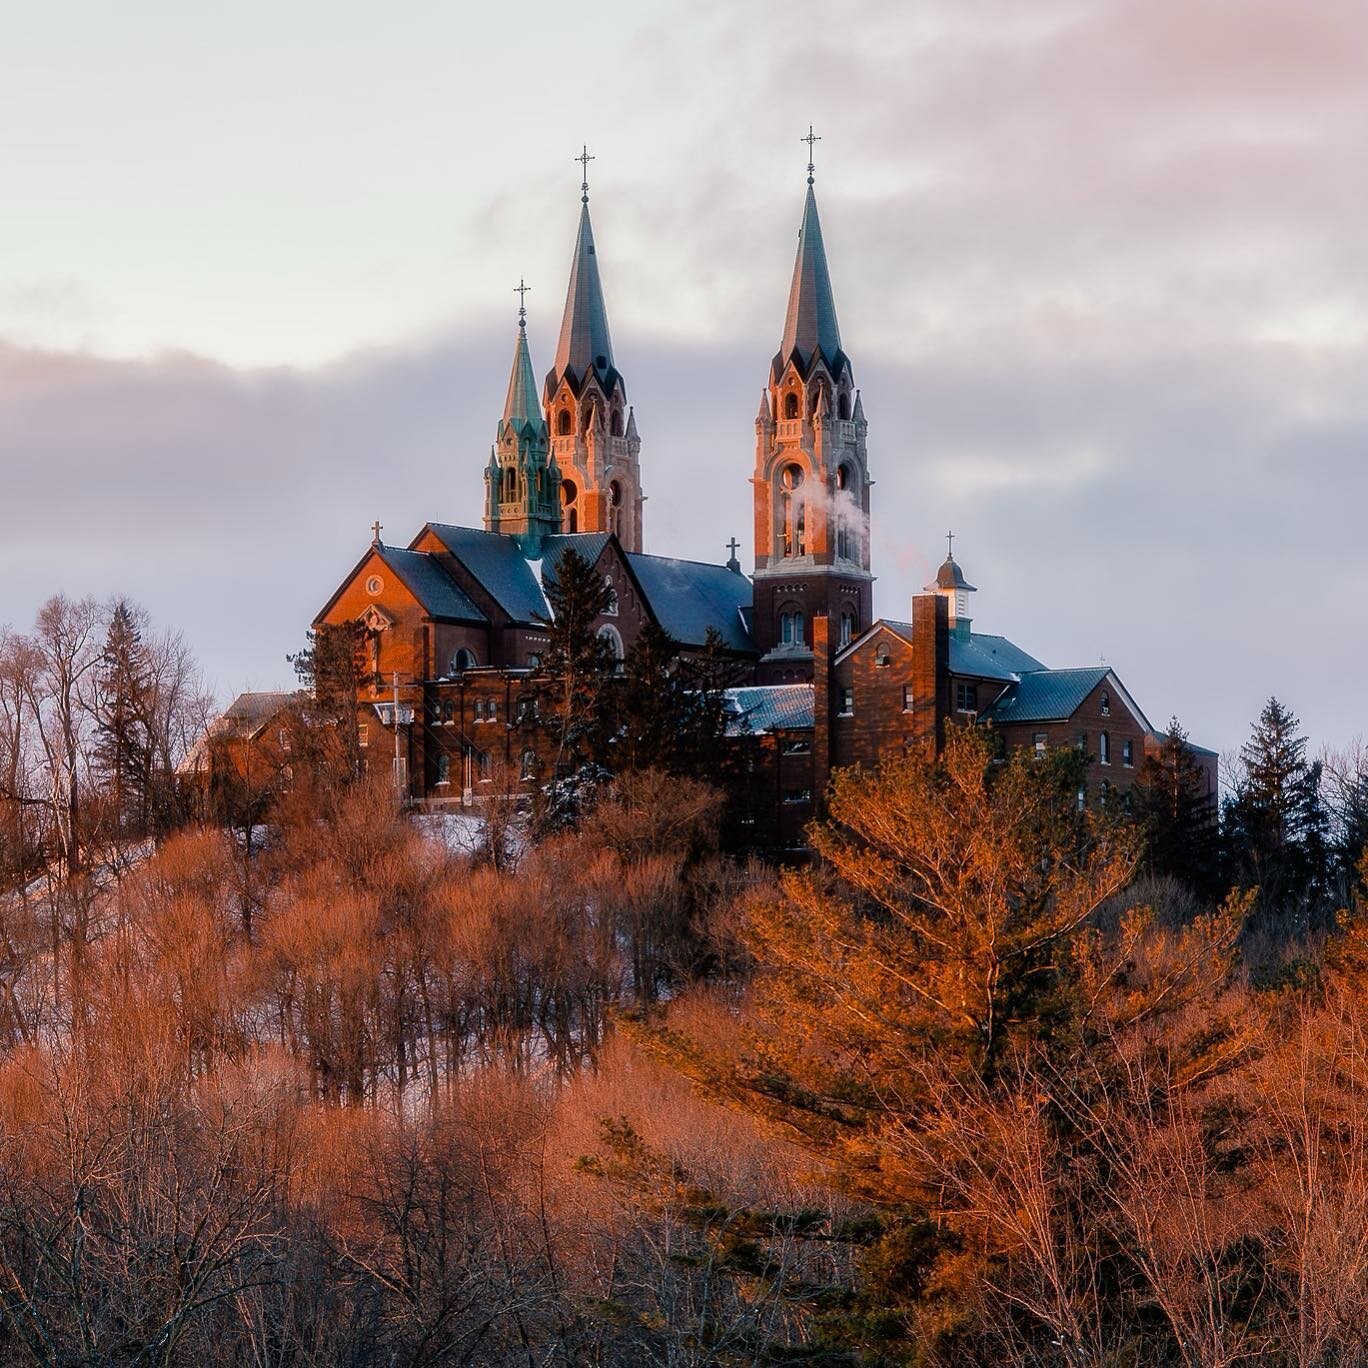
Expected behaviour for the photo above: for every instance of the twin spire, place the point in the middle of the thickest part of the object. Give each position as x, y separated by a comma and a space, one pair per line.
522, 405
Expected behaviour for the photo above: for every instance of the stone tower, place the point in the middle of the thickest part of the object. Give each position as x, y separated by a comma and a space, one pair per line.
811, 478
593, 431
522, 480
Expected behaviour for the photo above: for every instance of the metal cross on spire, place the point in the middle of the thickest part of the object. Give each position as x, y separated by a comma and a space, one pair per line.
733, 546
949, 546
521, 289
810, 140
584, 159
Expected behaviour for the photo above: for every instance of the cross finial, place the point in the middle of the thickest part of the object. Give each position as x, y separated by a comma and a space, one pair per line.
810, 140
376, 528
949, 546
733, 546
521, 289
584, 159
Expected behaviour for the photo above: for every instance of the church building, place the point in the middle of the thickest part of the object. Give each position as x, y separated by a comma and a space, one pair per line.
455, 619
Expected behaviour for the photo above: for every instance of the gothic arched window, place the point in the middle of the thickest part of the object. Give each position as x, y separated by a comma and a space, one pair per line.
614, 640
611, 607
527, 770
790, 405
565, 424
848, 630
461, 661
444, 769
843, 407
617, 423
510, 484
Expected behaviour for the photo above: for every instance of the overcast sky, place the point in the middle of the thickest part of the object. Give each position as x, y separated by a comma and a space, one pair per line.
1101, 268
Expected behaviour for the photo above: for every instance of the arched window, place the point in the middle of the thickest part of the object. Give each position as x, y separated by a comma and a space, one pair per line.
617, 423
882, 658
1104, 748
843, 477
573, 524
843, 408
527, 770
790, 405
1106, 705
565, 424
443, 769
611, 607
510, 484
848, 635
461, 661
791, 627
614, 640
843, 540
800, 530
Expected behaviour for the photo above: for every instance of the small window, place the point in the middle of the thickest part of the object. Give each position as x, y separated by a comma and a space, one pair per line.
1041, 743
483, 766
848, 629
909, 698
1106, 705
847, 703
790, 405
1082, 798
611, 607
534, 661
565, 424
843, 408
796, 797
1082, 741
461, 661
1128, 754
798, 746
883, 657
443, 769
966, 697
1104, 748
374, 585
527, 771
363, 733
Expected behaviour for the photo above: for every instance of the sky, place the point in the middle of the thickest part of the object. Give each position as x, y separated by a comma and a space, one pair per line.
1101, 267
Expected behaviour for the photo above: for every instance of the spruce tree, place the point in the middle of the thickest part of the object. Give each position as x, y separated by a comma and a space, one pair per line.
1276, 822
570, 688
1178, 817
123, 747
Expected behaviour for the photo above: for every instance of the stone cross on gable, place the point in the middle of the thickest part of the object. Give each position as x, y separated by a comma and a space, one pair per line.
376, 528
733, 546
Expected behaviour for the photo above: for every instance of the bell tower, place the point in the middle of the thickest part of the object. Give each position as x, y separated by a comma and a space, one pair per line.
593, 431
811, 478
522, 480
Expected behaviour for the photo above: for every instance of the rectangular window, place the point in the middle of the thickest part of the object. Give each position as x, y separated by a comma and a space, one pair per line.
1128, 754
798, 747
847, 703
909, 698
795, 797
1041, 742
966, 697
1082, 742
363, 733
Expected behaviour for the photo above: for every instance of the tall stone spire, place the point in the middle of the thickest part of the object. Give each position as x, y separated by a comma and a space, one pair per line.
811, 482
810, 325
522, 480
593, 433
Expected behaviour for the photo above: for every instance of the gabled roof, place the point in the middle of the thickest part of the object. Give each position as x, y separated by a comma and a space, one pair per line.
810, 325
688, 597
1048, 696
979, 655
758, 709
584, 344
588, 545
248, 713
438, 594
496, 562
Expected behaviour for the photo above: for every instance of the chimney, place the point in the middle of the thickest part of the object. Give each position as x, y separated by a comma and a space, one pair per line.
930, 666
821, 709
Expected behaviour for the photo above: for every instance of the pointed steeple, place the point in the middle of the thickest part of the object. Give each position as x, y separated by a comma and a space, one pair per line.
632, 434
522, 406
810, 325
585, 344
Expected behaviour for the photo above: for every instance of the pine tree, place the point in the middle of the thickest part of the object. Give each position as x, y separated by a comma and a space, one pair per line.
332, 670
123, 747
1178, 817
1276, 822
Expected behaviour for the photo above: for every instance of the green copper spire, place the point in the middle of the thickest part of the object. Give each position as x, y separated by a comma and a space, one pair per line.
522, 405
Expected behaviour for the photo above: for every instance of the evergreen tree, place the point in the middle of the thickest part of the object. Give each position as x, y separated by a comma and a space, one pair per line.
1178, 817
1276, 823
123, 747
332, 670
670, 711
570, 688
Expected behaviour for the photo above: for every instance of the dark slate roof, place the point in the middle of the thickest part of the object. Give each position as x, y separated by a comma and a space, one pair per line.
498, 564
249, 712
589, 545
810, 325
981, 655
757, 709
688, 597
1046, 695
584, 343
439, 595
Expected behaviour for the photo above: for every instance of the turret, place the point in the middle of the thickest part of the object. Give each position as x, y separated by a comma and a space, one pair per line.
951, 585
